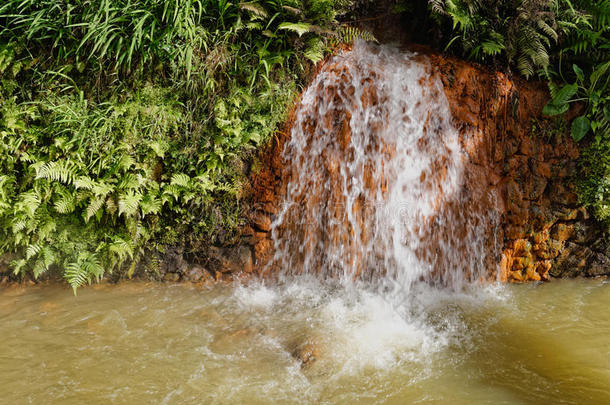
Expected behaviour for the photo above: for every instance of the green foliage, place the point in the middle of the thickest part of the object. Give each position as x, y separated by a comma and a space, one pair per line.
567, 43
351, 34
524, 32
124, 124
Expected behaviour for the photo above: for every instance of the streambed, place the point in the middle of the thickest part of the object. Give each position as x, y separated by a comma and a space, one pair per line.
154, 343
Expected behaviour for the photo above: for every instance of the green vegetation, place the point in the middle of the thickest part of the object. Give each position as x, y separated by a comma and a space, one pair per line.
566, 43
125, 124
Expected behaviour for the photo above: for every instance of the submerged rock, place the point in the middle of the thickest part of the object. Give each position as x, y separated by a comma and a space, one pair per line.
307, 353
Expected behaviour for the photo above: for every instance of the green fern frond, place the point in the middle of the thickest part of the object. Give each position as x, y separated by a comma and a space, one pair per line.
129, 203
299, 28
180, 179
129, 181
349, 34
81, 271
65, 204
547, 29
254, 8
315, 50
18, 265
150, 205
29, 202
94, 206
122, 249
63, 171
32, 251
84, 182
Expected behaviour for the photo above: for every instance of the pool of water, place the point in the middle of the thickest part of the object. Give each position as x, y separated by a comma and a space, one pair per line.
182, 344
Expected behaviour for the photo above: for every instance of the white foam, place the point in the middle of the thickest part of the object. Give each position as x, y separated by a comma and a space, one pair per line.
257, 295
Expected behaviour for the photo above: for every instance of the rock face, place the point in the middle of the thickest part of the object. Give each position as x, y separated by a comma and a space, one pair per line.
532, 161
513, 152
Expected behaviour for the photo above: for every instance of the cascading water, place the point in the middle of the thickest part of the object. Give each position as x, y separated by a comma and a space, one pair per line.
377, 187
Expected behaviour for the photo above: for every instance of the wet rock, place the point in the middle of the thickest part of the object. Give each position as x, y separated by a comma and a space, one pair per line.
232, 259
542, 225
263, 251
531, 274
599, 265
307, 353
171, 277
549, 249
514, 197
538, 185
261, 221
516, 275
543, 269
562, 232
572, 261
521, 247
197, 274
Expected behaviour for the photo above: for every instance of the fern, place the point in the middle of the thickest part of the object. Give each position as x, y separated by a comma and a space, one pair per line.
315, 50
129, 203
63, 171
299, 28
94, 206
109, 130
349, 34
181, 180
254, 8
81, 271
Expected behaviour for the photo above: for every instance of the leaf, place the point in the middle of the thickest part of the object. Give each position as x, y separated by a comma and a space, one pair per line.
180, 179
565, 94
551, 109
315, 50
94, 206
299, 28
559, 104
63, 171
580, 127
129, 203
255, 8
579, 73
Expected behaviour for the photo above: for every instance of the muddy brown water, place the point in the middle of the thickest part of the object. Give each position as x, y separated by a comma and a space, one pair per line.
179, 344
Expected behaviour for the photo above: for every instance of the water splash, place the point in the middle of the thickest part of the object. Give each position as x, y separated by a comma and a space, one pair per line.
376, 189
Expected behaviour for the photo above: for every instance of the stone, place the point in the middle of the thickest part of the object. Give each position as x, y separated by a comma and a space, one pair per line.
562, 232
521, 247
306, 353
543, 268
519, 263
538, 185
261, 221
515, 276
572, 261
515, 231
598, 266
531, 274
197, 273
541, 236
527, 146
171, 277
262, 251
549, 249
514, 197
233, 259
542, 169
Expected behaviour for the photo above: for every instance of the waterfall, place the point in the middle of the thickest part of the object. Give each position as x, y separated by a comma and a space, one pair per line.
376, 188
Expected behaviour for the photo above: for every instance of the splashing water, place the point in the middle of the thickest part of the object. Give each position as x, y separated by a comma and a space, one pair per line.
376, 189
